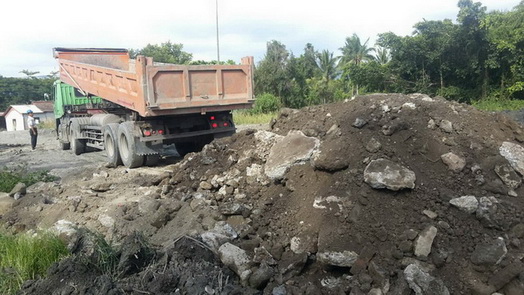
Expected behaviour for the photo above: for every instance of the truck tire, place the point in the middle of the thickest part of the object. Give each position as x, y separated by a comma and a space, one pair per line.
110, 132
77, 145
126, 146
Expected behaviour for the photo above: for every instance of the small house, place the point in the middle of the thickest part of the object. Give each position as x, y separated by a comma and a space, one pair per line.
16, 115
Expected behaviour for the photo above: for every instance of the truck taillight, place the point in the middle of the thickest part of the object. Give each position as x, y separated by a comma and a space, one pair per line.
214, 125
212, 118
226, 124
147, 132
160, 131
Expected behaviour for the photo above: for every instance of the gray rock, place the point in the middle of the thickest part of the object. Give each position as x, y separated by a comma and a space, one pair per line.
508, 175
159, 218
490, 253
261, 276
422, 246
220, 234
236, 259
279, 290
6, 203
293, 149
514, 153
373, 145
384, 173
19, 188
394, 127
423, 283
303, 243
359, 123
342, 259
468, 204
486, 210
455, 163
205, 185
100, 187
234, 209
446, 126
431, 124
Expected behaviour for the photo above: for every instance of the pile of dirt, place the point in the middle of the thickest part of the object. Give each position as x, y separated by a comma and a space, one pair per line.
383, 194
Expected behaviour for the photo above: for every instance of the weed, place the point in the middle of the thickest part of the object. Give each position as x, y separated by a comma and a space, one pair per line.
27, 257
246, 117
9, 178
498, 104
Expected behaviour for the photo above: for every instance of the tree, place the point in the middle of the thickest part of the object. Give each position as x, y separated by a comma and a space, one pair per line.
327, 64
382, 55
271, 72
166, 52
356, 52
29, 73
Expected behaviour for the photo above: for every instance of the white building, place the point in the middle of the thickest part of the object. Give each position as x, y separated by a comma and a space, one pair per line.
16, 116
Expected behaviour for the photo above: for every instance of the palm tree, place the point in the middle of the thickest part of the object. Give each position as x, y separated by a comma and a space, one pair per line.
327, 65
356, 52
382, 56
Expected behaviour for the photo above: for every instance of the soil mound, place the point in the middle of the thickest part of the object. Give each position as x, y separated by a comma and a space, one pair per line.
383, 194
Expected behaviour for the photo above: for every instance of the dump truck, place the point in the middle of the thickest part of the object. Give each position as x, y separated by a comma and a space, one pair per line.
133, 108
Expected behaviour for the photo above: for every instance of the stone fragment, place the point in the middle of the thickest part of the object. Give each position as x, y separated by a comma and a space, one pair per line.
293, 149
234, 209
486, 210
303, 243
468, 204
373, 145
394, 127
106, 220
431, 124
359, 123
422, 246
384, 173
220, 234
100, 187
205, 185
261, 276
508, 175
490, 253
341, 259
430, 214
422, 283
455, 163
446, 126
6, 203
514, 153
236, 259
19, 188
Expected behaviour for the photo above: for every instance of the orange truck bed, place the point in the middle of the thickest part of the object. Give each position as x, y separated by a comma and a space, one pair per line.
156, 89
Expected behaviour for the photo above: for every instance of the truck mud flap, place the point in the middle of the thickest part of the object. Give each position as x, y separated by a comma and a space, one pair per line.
143, 150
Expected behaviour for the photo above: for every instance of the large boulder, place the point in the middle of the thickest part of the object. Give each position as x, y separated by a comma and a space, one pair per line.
514, 153
489, 253
293, 149
383, 173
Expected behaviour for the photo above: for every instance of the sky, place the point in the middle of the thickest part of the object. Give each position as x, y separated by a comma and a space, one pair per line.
29, 29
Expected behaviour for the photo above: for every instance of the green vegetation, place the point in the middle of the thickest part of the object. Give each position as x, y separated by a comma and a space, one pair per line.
246, 117
494, 104
9, 178
27, 257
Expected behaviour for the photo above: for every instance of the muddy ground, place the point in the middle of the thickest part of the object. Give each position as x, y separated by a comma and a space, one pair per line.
384, 194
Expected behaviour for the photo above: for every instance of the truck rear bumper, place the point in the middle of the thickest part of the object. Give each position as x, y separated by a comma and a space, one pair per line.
187, 134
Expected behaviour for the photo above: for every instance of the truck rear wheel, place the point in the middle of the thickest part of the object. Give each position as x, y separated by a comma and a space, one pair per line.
77, 145
110, 132
126, 146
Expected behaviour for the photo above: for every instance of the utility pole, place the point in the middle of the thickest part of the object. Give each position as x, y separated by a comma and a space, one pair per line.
218, 42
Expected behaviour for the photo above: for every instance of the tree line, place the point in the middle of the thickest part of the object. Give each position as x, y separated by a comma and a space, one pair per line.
479, 56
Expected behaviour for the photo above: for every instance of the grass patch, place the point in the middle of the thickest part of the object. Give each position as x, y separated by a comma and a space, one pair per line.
26, 257
245, 117
9, 178
497, 104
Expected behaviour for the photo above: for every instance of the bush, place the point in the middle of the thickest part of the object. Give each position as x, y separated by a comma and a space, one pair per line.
27, 257
266, 103
9, 178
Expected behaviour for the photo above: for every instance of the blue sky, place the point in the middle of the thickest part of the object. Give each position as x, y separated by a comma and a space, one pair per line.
30, 29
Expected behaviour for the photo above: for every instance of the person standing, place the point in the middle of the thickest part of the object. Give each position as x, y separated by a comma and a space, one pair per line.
31, 123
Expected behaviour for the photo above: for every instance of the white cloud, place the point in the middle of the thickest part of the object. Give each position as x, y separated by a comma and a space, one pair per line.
30, 30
